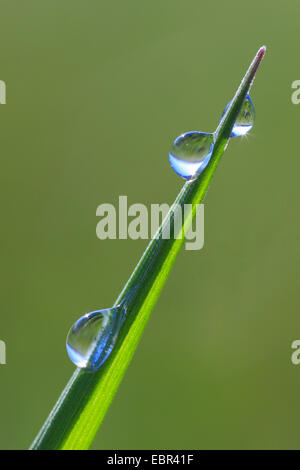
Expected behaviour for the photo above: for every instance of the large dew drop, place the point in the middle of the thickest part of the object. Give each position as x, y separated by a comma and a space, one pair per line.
245, 119
92, 338
190, 153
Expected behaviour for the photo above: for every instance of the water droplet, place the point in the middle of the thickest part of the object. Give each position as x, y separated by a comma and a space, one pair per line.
92, 338
190, 153
245, 119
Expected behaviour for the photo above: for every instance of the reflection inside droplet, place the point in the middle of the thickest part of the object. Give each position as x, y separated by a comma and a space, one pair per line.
245, 119
92, 338
190, 153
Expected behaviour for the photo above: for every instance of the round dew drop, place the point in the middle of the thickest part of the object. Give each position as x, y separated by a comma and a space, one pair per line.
92, 338
190, 153
245, 119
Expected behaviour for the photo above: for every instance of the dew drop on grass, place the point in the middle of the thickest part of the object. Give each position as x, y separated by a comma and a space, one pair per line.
190, 153
92, 338
245, 119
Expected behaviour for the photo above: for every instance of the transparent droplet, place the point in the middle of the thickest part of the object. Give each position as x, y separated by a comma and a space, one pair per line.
92, 338
190, 153
245, 119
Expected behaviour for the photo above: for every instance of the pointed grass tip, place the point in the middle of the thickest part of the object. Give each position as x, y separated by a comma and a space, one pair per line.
257, 61
261, 52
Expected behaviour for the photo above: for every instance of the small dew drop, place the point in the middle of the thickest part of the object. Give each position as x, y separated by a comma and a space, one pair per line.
245, 119
92, 338
190, 153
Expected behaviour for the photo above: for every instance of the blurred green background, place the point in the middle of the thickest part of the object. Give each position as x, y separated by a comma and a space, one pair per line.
96, 92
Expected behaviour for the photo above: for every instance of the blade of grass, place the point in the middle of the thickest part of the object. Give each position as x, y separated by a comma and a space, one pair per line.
78, 413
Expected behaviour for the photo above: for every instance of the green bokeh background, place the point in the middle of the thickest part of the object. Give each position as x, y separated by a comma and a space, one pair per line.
96, 92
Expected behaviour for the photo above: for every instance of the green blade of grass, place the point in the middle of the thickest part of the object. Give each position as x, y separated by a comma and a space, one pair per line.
78, 413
